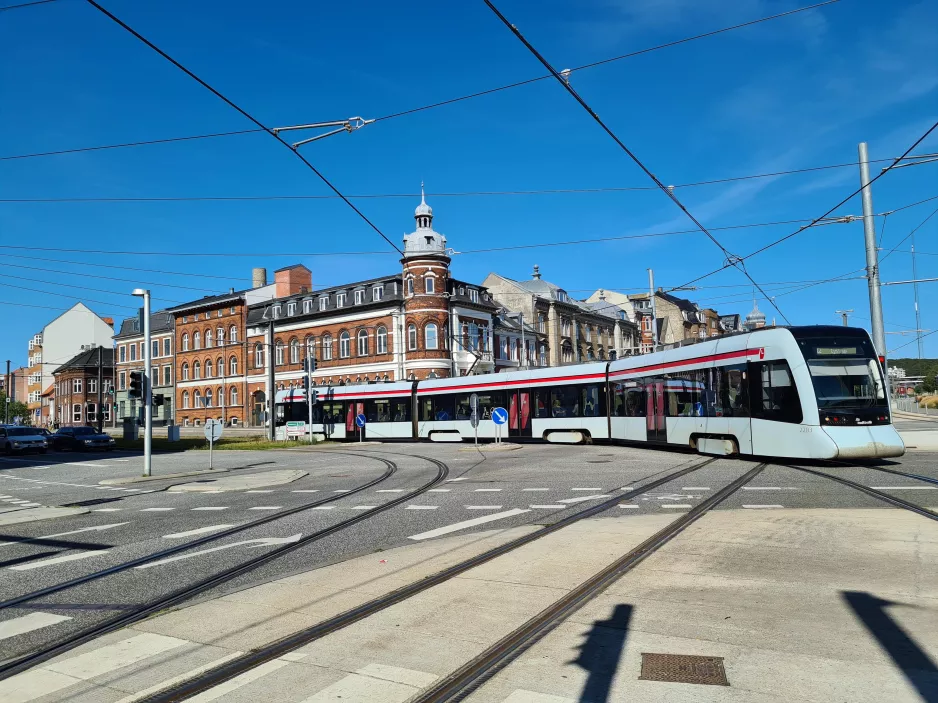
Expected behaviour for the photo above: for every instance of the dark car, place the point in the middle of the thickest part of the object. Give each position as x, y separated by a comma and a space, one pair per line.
15, 438
81, 438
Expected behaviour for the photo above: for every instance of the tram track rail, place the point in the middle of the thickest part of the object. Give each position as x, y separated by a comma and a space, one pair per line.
19, 664
278, 648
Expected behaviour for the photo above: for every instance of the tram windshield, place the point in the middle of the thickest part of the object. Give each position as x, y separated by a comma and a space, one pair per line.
845, 372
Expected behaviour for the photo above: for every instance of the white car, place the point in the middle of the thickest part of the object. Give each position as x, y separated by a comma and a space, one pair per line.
16, 439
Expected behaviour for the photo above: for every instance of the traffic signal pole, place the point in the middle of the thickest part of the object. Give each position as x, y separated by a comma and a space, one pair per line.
147, 384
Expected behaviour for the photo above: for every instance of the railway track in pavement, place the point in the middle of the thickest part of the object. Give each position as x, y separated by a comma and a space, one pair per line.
135, 613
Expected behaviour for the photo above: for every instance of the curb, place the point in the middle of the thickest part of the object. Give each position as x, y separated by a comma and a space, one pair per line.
162, 477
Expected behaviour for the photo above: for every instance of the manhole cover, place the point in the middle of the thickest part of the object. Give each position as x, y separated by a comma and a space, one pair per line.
683, 668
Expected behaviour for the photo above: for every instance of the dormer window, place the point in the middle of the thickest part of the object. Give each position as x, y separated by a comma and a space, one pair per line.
307, 306
323, 302
340, 300
377, 293
291, 308
359, 297
278, 311
473, 295
462, 290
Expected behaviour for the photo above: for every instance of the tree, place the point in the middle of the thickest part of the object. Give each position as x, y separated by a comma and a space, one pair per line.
17, 409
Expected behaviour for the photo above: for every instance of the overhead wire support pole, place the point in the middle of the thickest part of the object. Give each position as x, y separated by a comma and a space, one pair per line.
247, 115
731, 259
872, 260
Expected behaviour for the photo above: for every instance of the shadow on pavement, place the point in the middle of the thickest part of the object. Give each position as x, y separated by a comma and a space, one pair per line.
601, 653
914, 662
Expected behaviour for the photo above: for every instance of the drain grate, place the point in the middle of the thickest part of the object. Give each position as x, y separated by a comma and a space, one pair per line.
683, 668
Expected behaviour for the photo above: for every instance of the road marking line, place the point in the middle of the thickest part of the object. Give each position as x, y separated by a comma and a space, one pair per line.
482, 507
239, 681
464, 478
121, 460
375, 682
535, 489
87, 463
269, 491
421, 507
579, 499
155, 510
627, 488
266, 507
115, 656
487, 490
250, 543
586, 489
58, 560
199, 531
34, 684
439, 490
763, 488
28, 623
212, 508
147, 692
675, 505
324, 507
905, 488
456, 526
342, 490
628, 505
391, 490
313, 490
107, 510
695, 488
547, 507
364, 507
756, 507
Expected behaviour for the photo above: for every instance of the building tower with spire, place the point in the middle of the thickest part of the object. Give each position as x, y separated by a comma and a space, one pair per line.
425, 334
756, 318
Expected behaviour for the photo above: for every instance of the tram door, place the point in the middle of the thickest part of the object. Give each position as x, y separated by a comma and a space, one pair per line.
519, 414
657, 430
351, 427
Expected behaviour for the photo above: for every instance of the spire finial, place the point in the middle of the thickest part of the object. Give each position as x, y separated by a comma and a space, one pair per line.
423, 200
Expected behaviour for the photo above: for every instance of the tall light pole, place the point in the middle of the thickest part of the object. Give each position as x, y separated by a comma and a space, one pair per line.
651, 299
147, 384
872, 261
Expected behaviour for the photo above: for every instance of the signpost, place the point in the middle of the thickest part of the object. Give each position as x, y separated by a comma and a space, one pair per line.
295, 428
499, 417
360, 421
213, 430
474, 415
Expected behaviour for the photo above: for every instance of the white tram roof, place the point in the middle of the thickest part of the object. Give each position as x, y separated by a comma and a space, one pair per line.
361, 391
557, 375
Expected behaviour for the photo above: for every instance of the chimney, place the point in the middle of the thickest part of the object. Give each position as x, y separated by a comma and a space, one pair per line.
292, 280
231, 291
258, 277
660, 289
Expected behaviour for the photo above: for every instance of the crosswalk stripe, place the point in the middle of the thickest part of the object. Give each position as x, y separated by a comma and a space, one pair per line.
28, 623
364, 507
156, 510
198, 531
266, 507
579, 499
483, 507
238, 681
456, 526
547, 507
675, 505
421, 507
58, 560
212, 508
147, 692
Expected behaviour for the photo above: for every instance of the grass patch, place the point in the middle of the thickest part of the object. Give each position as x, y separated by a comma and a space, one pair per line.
161, 444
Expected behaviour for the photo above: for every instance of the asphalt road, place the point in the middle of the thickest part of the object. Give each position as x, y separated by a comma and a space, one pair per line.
537, 484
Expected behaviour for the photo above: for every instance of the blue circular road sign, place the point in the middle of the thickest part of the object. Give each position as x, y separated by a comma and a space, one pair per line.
499, 416
360, 420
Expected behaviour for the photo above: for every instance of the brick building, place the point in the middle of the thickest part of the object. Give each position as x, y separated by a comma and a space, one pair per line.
128, 343
417, 323
82, 386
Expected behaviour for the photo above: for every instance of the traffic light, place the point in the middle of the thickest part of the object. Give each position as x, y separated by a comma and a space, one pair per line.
158, 400
309, 364
305, 384
136, 384
314, 396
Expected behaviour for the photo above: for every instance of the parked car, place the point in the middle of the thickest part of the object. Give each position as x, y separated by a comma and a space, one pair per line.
14, 438
81, 438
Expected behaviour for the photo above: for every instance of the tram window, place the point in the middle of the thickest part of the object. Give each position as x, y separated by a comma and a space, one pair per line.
542, 402
400, 410
775, 397
565, 401
628, 400
438, 408
592, 403
463, 409
378, 410
488, 402
332, 412
683, 394
735, 396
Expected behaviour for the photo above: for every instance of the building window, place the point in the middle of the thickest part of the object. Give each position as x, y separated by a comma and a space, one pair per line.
196, 340
185, 399
410, 286
589, 333
185, 342
220, 336
381, 340
196, 399
291, 308
473, 295
91, 413
196, 317
76, 413
278, 311
208, 368
411, 337
133, 352
362, 343
307, 306
232, 334
93, 385
340, 300
429, 284
208, 339
185, 318
294, 351
196, 370
184, 372
345, 345
167, 375
233, 366
76, 385
208, 397
155, 347
231, 310
234, 397
122, 381
167, 346
327, 347
107, 412
323, 302
359, 297
565, 327
377, 293
431, 336
122, 353
279, 350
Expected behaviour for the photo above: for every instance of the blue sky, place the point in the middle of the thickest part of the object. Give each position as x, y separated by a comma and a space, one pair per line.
796, 92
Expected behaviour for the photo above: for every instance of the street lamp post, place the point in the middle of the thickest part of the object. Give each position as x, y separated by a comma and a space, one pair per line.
147, 384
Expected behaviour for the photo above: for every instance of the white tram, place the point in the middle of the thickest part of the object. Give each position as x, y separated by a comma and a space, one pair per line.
799, 392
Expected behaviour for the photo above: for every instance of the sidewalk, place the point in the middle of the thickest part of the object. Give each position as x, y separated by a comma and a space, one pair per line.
800, 604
